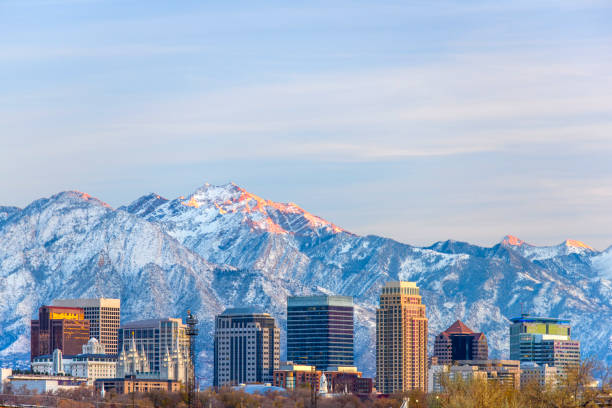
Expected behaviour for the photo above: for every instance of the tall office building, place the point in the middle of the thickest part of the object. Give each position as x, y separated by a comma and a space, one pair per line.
62, 328
544, 340
103, 315
459, 342
150, 343
320, 331
247, 347
401, 339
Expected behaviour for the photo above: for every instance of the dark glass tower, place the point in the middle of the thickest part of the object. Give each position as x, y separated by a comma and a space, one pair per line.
320, 331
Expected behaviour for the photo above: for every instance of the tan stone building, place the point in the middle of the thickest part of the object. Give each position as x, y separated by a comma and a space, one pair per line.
401, 339
136, 385
505, 373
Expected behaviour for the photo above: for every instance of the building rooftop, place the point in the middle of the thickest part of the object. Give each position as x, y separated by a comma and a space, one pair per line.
320, 300
259, 388
97, 302
458, 328
237, 311
536, 319
400, 284
149, 322
45, 377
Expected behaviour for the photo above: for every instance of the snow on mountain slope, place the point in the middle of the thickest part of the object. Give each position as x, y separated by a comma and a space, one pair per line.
6, 212
72, 245
482, 286
223, 246
535, 253
602, 264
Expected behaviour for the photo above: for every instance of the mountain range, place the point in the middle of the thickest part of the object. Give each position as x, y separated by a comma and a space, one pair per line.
222, 246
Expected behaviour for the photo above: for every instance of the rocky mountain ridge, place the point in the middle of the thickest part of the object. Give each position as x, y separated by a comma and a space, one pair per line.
222, 246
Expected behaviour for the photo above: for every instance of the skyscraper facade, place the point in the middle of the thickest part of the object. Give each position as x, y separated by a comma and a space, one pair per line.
459, 342
103, 315
401, 339
320, 331
62, 328
544, 340
246, 347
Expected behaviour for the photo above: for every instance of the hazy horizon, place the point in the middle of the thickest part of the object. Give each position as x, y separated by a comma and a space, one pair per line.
418, 121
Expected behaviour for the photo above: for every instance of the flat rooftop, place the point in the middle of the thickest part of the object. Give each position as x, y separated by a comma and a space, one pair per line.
320, 300
538, 319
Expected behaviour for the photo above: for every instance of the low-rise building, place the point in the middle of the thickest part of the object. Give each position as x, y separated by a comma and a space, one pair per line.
544, 375
339, 380
5, 373
348, 380
45, 383
438, 374
506, 373
292, 376
435, 375
132, 384
91, 364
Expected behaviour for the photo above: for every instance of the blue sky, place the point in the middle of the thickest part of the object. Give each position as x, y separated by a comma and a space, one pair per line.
416, 120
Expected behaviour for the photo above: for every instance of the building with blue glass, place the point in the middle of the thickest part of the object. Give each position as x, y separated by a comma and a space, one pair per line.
544, 340
320, 331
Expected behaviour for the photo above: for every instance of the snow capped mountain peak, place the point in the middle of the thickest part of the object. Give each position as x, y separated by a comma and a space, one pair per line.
258, 212
511, 240
571, 243
73, 196
223, 246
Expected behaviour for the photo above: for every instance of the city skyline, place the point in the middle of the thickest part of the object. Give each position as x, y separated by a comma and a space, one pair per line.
418, 123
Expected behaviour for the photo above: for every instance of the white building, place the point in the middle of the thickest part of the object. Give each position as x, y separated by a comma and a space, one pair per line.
44, 383
434, 377
152, 340
174, 364
91, 364
439, 373
5, 373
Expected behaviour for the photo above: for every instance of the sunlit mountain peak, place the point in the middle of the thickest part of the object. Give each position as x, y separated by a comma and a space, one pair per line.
577, 244
258, 212
512, 240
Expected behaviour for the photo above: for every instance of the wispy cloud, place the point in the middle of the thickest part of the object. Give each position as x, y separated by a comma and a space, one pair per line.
13, 53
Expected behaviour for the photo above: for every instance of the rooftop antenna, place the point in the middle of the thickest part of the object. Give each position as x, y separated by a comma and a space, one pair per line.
192, 332
523, 314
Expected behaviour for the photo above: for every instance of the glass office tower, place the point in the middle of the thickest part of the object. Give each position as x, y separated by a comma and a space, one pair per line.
320, 331
544, 340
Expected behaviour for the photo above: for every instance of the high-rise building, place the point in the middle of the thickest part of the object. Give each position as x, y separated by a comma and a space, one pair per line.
61, 328
247, 347
154, 348
544, 340
320, 331
459, 342
103, 315
401, 339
